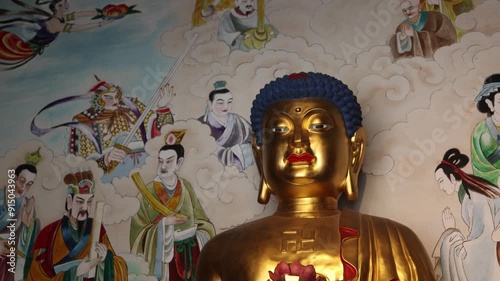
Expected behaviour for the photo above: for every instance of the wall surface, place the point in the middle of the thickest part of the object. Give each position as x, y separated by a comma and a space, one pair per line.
58, 66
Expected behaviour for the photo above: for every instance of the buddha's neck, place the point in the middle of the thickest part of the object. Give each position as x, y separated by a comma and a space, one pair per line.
309, 207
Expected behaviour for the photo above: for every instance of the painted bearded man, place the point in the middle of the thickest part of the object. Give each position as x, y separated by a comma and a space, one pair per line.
422, 32
235, 22
61, 250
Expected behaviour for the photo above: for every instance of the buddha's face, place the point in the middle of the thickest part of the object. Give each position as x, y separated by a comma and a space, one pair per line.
305, 149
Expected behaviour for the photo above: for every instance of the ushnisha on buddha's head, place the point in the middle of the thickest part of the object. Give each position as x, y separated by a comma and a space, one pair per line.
308, 139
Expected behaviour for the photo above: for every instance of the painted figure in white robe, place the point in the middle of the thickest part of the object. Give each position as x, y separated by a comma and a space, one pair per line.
473, 255
231, 131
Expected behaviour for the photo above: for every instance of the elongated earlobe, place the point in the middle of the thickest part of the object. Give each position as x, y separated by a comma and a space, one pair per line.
264, 189
264, 192
351, 187
358, 153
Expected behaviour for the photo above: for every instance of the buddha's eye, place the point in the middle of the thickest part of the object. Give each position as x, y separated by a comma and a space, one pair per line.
280, 129
319, 126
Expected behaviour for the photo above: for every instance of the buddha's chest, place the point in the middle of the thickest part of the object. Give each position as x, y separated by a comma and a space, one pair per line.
322, 243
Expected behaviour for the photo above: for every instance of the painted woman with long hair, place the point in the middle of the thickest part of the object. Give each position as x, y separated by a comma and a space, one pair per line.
16, 51
473, 256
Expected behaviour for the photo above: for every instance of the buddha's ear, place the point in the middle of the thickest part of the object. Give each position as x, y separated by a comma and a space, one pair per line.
357, 143
264, 190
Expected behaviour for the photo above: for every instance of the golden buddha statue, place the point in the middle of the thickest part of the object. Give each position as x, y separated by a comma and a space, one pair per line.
309, 147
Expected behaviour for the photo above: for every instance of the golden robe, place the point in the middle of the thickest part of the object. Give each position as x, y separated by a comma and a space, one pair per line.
347, 246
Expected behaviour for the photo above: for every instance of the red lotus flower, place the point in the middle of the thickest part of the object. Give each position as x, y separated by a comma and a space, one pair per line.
305, 273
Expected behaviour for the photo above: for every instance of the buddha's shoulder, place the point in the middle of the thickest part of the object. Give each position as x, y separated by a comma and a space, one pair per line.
375, 226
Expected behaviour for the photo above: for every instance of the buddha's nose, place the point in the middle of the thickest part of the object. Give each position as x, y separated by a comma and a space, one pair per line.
299, 137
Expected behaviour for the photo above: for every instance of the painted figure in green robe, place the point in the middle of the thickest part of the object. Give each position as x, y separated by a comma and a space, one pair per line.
170, 240
485, 144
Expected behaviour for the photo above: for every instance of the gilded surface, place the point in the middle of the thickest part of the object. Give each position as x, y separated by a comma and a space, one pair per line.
307, 161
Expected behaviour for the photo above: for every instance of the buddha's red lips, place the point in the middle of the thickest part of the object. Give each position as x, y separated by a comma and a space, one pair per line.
304, 157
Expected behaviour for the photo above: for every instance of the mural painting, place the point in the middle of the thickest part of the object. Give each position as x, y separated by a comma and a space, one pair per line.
231, 131
137, 118
471, 255
171, 226
63, 248
46, 26
245, 26
14, 205
100, 131
422, 33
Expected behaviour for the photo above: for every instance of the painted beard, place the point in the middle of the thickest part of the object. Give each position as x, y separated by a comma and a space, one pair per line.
248, 10
81, 224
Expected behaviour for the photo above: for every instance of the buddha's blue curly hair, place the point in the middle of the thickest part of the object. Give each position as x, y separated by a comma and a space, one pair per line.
307, 85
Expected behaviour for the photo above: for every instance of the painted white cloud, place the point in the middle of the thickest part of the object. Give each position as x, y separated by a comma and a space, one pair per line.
138, 268
484, 18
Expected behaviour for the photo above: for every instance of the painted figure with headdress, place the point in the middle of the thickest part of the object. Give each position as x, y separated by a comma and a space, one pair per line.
62, 249
231, 131
171, 226
485, 143
96, 133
